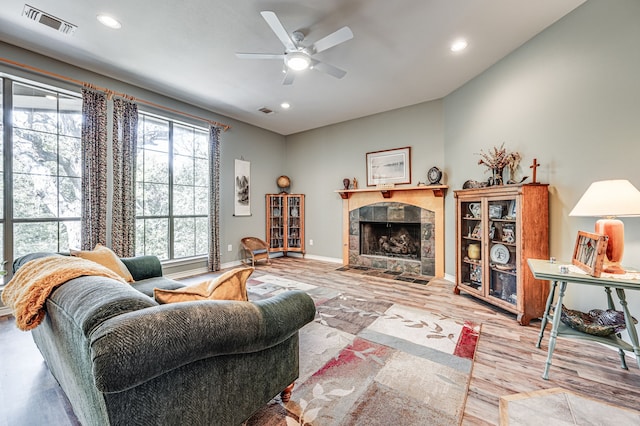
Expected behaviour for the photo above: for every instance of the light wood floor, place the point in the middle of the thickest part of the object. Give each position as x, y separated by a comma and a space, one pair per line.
507, 361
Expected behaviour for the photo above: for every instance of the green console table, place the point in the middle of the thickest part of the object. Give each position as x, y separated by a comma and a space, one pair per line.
545, 270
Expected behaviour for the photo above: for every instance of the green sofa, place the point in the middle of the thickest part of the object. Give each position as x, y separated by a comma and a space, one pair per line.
123, 359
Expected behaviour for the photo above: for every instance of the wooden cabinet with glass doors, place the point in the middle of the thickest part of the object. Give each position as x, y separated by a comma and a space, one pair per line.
285, 223
497, 229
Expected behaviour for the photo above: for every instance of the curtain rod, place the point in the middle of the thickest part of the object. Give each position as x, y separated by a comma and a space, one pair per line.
110, 92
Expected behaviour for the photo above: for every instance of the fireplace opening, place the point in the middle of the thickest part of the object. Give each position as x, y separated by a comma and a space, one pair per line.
401, 240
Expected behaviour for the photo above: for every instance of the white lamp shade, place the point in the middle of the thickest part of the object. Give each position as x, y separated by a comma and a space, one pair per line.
609, 198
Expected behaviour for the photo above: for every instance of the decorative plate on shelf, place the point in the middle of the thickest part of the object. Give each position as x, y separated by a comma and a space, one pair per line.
499, 253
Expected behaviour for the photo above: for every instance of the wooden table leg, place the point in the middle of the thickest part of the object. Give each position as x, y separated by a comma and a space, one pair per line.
545, 317
623, 361
631, 327
554, 329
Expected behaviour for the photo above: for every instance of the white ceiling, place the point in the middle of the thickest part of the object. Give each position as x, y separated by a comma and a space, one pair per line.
185, 49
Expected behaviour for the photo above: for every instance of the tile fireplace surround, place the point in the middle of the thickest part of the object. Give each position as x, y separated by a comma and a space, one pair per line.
409, 205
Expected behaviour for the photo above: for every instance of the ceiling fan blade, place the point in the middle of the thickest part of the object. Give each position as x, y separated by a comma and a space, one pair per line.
259, 55
288, 78
327, 68
278, 29
333, 39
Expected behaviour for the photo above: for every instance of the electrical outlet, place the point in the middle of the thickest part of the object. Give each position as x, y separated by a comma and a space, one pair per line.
310, 242
230, 247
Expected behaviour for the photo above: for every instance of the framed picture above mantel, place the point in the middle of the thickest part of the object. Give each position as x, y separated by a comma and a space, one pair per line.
391, 166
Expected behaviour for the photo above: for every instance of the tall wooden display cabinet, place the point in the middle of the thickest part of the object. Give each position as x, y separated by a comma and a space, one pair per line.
497, 229
285, 223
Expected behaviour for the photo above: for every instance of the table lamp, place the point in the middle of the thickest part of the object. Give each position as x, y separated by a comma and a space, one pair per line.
610, 199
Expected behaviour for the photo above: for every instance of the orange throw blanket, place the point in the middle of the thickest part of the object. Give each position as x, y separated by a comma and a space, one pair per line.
29, 288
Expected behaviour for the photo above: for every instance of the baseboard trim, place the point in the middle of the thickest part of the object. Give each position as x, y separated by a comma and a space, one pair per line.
323, 258
450, 278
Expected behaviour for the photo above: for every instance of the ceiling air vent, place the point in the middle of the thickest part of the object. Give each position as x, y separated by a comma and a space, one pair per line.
266, 110
51, 21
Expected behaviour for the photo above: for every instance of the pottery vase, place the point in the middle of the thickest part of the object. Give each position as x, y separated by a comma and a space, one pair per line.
473, 251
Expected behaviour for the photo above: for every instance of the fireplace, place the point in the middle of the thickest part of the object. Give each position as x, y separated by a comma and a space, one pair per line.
390, 239
419, 210
393, 236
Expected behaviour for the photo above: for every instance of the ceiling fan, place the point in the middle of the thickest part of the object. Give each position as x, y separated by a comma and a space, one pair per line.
296, 56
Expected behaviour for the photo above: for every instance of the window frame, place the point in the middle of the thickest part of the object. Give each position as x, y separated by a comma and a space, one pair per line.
9, 219
170, 217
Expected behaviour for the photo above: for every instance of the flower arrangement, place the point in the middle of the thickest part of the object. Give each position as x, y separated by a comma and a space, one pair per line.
499, 158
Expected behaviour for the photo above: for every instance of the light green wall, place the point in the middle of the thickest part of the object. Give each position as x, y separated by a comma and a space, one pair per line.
570, 97
264, 149
318, 160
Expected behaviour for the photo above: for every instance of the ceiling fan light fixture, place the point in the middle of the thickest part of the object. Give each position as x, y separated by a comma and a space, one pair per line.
297, 61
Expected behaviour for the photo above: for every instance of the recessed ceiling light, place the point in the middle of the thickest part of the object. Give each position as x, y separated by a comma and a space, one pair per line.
51, 97
109, 21
285, 105
459, 45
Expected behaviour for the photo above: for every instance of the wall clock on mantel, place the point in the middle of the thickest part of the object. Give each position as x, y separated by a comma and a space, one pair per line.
434, 175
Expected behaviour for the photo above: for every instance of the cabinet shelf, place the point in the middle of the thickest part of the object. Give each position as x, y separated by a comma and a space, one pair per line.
521, 215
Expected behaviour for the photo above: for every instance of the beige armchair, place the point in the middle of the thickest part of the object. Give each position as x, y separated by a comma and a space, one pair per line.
256, 249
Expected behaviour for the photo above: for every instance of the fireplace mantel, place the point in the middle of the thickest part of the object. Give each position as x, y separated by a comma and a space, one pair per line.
438, 190
426, 197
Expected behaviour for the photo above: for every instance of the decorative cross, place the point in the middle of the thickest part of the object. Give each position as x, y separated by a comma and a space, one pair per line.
534, 166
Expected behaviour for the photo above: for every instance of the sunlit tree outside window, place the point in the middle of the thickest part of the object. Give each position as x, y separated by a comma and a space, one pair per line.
171, 189
47, 127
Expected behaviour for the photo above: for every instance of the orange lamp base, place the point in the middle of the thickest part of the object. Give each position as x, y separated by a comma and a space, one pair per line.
614, 229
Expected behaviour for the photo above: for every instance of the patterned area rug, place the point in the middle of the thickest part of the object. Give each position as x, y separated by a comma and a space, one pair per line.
371, 362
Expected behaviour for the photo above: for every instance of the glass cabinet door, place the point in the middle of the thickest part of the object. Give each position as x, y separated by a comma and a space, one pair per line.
293, 222
276, 225
503, 240
471, 244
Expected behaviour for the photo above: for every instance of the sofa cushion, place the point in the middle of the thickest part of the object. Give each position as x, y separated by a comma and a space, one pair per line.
147, 286
107, 258
23, 260
231, 285
143, 267
89, 300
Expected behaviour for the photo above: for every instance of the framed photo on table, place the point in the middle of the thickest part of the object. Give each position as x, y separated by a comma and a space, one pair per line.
589, 252
390, 166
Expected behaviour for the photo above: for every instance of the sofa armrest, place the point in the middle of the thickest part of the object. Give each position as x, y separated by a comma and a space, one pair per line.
143, 267
136, 347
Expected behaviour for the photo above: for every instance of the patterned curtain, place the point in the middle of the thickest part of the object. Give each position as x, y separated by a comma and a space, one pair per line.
94, 169
125, 132
214, 199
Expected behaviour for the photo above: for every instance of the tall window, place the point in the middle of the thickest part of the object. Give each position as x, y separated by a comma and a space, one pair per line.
46, 169
171, 189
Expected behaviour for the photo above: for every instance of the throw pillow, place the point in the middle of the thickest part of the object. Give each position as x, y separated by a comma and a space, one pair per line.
231, 285
107, 258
